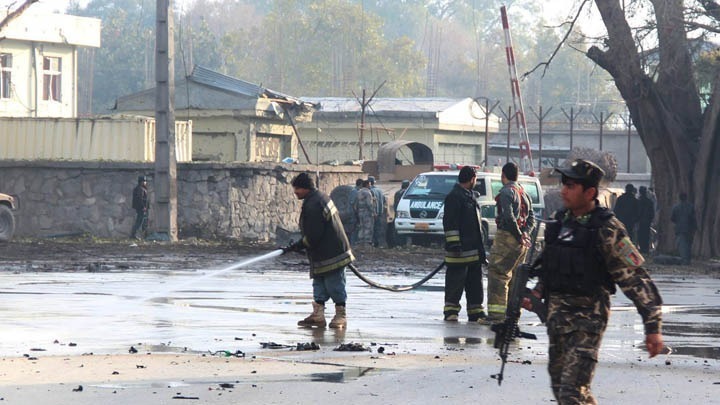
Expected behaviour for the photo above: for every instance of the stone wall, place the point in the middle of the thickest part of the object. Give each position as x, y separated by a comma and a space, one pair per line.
244, 201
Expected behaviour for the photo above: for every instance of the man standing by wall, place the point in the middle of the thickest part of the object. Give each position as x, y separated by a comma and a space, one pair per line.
683, 216
328, 249
587, 252
140, 204
514, 221
464, 248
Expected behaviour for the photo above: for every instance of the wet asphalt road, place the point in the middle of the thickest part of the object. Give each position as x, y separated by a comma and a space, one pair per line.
201, 311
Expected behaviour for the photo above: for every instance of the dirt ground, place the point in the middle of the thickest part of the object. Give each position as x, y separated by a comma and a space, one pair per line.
90, 254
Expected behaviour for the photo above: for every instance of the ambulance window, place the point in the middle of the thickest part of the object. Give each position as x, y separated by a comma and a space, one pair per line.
480, 187
532, 190
496, 187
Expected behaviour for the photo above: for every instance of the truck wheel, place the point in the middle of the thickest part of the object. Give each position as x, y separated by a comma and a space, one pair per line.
7, 223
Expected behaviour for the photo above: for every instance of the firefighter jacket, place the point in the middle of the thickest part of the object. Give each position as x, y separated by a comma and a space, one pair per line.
514, 210
323, 234
463, 227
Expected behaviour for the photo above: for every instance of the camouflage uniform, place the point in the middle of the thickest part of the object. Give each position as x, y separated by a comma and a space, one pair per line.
577, 321
366, 207
507, 251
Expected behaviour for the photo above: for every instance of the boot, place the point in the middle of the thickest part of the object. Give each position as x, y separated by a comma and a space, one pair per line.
317, 318
339, 321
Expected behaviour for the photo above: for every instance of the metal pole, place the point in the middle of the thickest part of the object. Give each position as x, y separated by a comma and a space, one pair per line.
362, 124
540, 132
487, 129
507, 150
572, 124
165, 159
540, 117
629, 125
601, 130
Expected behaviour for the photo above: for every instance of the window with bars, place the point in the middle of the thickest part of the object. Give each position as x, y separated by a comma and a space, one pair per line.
5, 75
52, 76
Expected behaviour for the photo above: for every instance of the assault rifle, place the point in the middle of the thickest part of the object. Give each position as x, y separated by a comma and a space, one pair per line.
508, 330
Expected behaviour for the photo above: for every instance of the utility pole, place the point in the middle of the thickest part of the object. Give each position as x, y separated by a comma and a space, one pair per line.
165, 159
363, 107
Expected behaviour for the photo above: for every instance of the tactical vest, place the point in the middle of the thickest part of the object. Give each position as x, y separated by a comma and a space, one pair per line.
572, 259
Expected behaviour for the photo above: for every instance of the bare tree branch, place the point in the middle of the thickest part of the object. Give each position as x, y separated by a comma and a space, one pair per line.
18, 11
697, 25
546, 64
712, 8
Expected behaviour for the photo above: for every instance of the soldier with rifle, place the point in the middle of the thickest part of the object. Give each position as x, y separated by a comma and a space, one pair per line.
587, 253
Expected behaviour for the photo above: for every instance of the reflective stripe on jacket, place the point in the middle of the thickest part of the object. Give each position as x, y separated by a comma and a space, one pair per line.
462, 225
324, 237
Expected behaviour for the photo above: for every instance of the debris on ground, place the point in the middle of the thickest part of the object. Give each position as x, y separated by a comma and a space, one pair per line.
273, 345
351, 347
228, 353
307, 346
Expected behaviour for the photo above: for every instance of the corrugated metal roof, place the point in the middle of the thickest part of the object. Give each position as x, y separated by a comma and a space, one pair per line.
214, 79
341, 104
220, 81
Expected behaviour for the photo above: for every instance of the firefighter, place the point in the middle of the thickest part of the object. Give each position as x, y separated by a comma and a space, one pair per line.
328, 250
514, 221
464, 248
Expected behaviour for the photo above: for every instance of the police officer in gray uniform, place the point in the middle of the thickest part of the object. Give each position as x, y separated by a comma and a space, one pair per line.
587, 253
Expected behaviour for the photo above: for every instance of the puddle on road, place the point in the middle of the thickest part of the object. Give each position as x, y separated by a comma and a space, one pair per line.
344, 375
352, 373
240, 309
701, 352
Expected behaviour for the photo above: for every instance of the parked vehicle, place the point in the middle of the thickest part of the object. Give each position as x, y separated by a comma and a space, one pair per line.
7, 219
420, 212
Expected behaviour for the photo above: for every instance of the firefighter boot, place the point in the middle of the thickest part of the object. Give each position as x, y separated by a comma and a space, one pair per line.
317, 318
339, 321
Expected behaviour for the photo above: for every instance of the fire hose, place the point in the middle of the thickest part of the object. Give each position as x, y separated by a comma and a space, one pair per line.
396, 288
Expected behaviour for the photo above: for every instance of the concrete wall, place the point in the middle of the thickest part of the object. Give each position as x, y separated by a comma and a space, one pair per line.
242, 201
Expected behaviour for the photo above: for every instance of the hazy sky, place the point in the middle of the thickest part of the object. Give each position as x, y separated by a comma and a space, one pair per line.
554, 10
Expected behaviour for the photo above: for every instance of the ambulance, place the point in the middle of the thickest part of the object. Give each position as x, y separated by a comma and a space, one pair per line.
420, 212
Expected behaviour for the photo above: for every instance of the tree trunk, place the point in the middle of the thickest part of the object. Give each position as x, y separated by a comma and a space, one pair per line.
668, 117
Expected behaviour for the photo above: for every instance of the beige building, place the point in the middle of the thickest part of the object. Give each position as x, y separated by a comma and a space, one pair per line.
233, 120
453, 128
39, 63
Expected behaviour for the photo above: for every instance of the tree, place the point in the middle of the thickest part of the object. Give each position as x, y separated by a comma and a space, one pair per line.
681, 138
125, 62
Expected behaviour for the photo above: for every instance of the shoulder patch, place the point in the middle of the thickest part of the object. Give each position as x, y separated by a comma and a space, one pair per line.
629, 254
